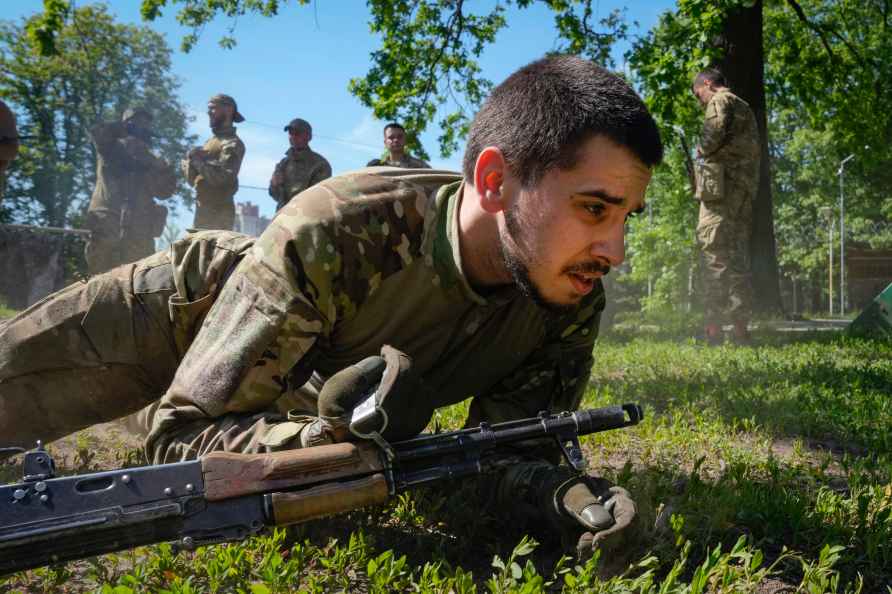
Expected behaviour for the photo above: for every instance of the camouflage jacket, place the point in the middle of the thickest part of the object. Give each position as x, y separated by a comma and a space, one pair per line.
730, 134
128, 175
358, 261
215, 178
728, 169
299, 170
407, 162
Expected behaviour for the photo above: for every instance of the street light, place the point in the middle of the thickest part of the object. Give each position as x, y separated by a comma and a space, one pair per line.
842, 233
827, 213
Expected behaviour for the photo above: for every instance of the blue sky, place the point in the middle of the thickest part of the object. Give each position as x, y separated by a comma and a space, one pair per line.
299, 63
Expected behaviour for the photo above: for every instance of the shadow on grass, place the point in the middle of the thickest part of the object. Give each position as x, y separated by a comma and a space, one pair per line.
832, 390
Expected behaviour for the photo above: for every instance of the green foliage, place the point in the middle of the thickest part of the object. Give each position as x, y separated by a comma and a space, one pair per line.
426, 68
100, 68
195, 14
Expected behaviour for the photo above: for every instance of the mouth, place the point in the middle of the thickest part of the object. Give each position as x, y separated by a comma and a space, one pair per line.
584, 282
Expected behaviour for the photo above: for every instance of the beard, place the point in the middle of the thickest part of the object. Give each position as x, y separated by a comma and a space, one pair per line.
217, 121
518, 264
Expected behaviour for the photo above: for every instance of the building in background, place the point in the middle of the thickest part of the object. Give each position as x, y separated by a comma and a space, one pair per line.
248, 219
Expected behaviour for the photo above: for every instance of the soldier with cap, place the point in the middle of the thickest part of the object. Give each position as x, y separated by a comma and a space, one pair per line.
301, 167
123, 217
488, 279
727, 181
213, 169
9, 143
395, 143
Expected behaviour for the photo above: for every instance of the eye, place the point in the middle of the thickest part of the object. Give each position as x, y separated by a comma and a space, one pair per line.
596, 208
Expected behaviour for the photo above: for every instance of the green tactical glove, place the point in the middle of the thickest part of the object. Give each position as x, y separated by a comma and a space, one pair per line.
587, 512
400, 409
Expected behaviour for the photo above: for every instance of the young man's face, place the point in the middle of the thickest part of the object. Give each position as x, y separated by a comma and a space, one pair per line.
298, 139
219, 114
703, 92
568, 231
394, 140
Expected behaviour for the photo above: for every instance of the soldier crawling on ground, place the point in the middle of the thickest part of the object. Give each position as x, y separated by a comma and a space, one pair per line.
727, 182
213, 169
123, 217
395, 143
488, 279
301, 167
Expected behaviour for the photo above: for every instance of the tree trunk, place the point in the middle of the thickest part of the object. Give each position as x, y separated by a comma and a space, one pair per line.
743, 64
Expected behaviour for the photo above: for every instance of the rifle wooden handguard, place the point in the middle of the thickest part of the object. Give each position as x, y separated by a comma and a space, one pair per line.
227, 474
328, 499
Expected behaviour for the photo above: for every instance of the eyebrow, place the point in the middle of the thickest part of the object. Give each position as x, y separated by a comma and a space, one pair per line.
615, 200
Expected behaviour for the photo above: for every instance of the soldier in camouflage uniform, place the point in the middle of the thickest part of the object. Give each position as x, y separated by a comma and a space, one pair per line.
395, 143
123, 217
9, 143
490, 280
727, 182
213, 169
301, 167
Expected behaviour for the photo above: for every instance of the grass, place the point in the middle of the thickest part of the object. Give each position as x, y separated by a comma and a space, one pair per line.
759, 469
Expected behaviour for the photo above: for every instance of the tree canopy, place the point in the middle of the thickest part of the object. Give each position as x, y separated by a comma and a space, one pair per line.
98, 69
819, 83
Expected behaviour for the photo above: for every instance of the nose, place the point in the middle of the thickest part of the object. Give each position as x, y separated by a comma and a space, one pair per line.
611, 246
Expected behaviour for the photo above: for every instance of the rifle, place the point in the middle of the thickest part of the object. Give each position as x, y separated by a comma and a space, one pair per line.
226, 496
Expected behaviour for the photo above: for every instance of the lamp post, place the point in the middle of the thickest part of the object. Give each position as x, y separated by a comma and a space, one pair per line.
827, 213
842, 235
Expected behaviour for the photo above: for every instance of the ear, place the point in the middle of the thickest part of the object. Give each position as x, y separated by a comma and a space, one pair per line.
489, 176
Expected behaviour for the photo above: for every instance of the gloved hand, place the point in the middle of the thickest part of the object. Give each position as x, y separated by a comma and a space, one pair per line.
587, 512
603, 511
402, 410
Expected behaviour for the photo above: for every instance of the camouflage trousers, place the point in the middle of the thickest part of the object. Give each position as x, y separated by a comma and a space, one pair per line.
727, 277
105, 349
91, 353
109, 246
216, 214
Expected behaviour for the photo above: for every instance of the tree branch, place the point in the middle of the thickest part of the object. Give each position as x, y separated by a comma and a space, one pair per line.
801, 14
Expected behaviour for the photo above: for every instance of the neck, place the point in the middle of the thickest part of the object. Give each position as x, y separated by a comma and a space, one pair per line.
397, 155
478, 235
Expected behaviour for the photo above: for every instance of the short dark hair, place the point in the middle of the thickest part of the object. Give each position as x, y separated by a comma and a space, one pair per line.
712, 75
393, 125
541, 115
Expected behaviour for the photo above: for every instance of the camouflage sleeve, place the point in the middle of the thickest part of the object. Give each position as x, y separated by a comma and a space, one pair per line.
373, 163
302, 276
553, 377
105, 137
162, 178
320, 173
277, 191
165, 180
717, 126
266, 319
223, 171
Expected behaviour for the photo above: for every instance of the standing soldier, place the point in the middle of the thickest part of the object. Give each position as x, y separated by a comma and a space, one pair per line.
123, 217
727, 181
9, 143
213, 169
395, 143
301, 167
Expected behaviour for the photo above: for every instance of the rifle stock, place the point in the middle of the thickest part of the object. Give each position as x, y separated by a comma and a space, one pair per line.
228, 496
